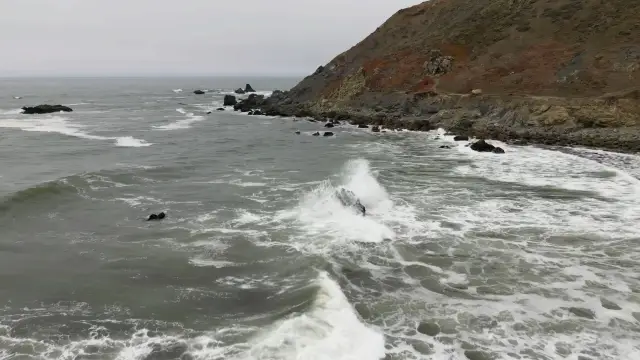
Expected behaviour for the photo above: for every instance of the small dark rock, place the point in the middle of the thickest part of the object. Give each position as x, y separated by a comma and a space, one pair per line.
250, 112
208, 112
229, 100
248, 89
327, 133
257, 112
460, 138
239, 91
375, 129
430, 329
45, 109
316, 134
498, 150
199, 92
363, 126
482, 146
220, 109
328, 125
445, 147
298, 132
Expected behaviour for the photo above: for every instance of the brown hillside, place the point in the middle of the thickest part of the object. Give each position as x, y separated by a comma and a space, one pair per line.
566, 48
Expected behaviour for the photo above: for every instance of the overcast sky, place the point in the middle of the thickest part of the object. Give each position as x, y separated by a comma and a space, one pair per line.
187, 37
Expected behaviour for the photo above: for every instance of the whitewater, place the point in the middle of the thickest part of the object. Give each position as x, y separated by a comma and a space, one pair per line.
531, 254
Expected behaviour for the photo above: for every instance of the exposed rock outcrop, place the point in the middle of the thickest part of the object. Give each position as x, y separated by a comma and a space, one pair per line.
45, 109
229, 100
248, 89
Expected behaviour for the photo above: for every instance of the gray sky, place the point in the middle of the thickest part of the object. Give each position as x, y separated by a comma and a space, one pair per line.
200, 37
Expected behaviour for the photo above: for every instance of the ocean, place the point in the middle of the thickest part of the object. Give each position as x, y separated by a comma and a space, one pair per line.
532, 254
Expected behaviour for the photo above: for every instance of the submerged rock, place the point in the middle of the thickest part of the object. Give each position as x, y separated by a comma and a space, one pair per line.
375, 129
45, 109
328, 125
297, 132
220, 109
327, 133
248, 89
430, 329
498, 150
445, 147
482, 146
230, 100
316, 134
239, 91
363, 126
198, 92
460, 138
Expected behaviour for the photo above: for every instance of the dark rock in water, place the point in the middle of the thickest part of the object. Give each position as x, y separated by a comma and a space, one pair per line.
363, 126
430, 329
498, 150
220, 109
248, 89
316, 134
250, 112
45, 109
208, 112
375, 129
252, 102
273, 112
327, 133
298, 132
445, 147
348, 198
482, 146
199, 92
159, 216
239, 91
229, 100
257, 112
460, 138
328, 125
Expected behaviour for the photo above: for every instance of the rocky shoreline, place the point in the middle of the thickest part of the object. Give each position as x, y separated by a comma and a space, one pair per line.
607, 122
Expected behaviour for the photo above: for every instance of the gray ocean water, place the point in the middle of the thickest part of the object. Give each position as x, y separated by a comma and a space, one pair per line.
528, 255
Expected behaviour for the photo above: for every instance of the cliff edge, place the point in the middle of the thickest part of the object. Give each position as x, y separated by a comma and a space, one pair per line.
549, 71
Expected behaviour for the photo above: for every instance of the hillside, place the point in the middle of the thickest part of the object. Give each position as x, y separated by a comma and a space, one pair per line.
537, 66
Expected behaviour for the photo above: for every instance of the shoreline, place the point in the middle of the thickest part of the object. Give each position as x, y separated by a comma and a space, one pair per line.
604, 123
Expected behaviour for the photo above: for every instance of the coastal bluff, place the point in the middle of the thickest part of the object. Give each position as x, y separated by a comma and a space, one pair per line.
562, 72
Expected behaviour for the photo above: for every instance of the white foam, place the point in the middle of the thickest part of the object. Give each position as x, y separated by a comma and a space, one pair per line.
130, 141
202, 262
11, 112
330, 330
177, 90
181, 124
62, 125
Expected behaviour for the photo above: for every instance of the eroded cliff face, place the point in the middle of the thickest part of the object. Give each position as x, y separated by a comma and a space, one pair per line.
538, 47
552, 71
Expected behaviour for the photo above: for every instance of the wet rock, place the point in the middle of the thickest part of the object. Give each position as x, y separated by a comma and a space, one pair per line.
327, 133
460, 138
257, 112
363, 126
430, 329
608, 304
239, 91
445, 147
297, 132
498, 150
316, 134
208, 112
199, 92
45, 109
482, 146
229, 100
328, 125
248, 89
582, 312
250, 103
477, 355
220, 109
375, 129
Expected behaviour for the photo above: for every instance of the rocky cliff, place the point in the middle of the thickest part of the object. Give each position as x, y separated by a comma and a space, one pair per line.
547, 71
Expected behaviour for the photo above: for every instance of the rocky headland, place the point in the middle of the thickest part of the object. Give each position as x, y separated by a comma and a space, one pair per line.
563, 72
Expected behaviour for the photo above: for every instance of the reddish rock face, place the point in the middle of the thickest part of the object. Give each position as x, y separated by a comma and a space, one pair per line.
567, 48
